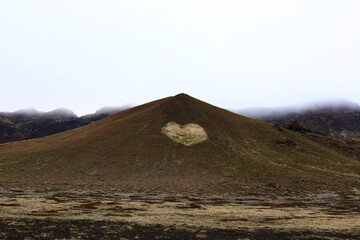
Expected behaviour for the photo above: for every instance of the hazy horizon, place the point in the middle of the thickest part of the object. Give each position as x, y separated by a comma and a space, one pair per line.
253, 112
84, 55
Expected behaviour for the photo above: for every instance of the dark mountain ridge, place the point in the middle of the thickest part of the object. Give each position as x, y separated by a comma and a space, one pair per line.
30, 123
340, 120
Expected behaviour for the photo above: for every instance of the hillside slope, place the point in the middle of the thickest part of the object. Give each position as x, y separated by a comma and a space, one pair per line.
128, 150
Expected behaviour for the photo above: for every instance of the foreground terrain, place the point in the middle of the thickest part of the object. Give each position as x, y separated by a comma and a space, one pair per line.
56, 214
179, 168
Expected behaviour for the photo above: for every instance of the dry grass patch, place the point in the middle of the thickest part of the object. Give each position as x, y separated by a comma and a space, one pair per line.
188, 134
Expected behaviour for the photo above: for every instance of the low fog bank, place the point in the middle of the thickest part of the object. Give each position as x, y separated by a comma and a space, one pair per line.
318, 106
112, 109
32, 112
255, 112
63, 112
105, 111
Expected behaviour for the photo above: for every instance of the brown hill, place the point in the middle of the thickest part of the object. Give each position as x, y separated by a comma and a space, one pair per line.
129, 151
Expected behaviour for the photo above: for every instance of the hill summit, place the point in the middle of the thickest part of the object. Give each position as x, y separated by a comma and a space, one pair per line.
130, 150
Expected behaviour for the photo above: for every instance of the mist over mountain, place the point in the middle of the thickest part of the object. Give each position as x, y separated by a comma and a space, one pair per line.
60, 113
26, 111
111, 109
318, 106
30, 123
104, 112
336, 118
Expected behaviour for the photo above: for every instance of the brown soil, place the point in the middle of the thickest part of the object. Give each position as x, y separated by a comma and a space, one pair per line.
78, 214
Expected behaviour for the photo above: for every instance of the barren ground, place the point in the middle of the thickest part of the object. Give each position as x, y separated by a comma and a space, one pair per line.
57, 214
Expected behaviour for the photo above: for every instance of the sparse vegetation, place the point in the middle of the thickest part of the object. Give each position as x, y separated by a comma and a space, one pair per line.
134, 132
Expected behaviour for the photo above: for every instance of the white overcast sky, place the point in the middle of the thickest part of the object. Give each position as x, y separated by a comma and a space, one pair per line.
83, 55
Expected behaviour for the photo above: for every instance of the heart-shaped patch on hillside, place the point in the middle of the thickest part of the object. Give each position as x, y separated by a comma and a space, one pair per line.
188, 134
